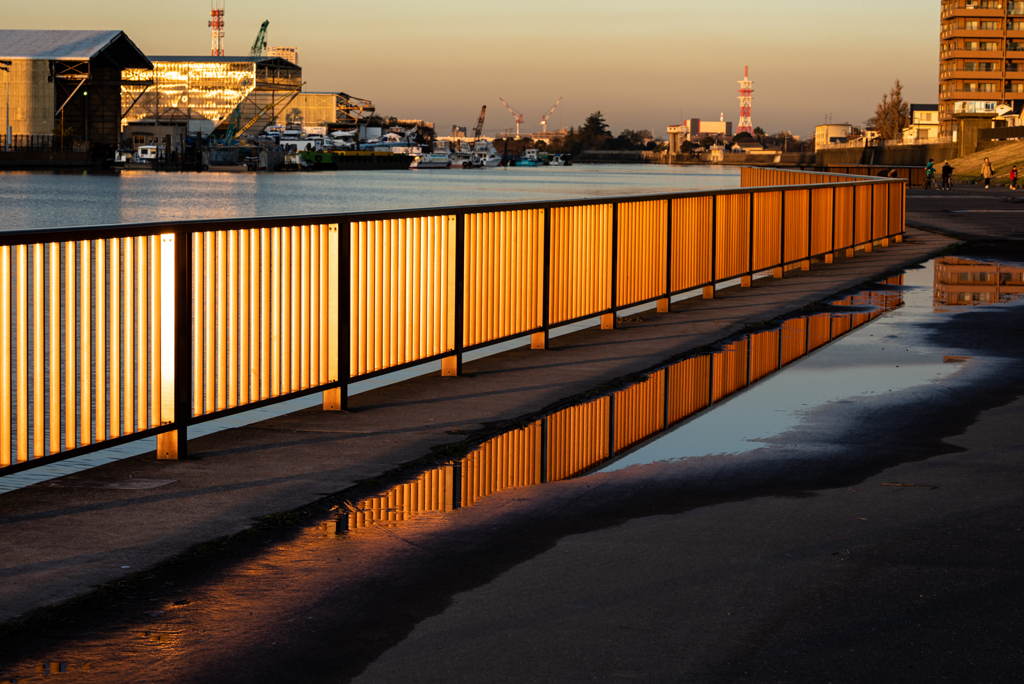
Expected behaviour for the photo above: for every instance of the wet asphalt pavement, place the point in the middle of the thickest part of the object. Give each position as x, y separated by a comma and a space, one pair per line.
969, 212
873, 534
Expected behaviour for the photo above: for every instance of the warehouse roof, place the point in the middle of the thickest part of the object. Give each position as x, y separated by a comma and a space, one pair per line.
71, 45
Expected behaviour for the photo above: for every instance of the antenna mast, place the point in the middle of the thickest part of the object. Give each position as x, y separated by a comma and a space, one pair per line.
746, 95
216, 25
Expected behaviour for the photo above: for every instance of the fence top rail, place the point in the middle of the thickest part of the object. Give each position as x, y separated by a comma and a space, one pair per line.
128, 230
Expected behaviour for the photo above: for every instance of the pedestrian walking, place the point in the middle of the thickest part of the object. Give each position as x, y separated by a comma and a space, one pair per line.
929, 174
947, 175
987, 172
1013, 177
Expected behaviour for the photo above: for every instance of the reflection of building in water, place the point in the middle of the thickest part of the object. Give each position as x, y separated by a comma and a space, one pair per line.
966, 281
574, 440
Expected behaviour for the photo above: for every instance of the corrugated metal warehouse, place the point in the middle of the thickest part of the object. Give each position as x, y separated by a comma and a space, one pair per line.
68, 81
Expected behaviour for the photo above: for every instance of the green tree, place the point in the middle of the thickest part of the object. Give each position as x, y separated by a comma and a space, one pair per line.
892, 114
758, 132
743, 137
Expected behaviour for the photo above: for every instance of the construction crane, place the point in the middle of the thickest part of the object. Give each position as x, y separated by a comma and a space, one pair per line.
261, 42
518, 117
544, 119
478, 131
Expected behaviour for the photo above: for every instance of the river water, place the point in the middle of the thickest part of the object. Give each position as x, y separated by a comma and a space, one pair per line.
51, 200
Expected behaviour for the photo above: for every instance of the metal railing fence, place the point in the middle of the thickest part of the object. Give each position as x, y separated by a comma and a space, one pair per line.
120, 332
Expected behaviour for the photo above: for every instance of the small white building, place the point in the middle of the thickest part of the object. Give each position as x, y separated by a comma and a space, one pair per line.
695, 130
831, 134
924, 125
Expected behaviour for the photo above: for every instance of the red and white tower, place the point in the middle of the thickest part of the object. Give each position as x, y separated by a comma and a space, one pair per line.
746, 95
216, 25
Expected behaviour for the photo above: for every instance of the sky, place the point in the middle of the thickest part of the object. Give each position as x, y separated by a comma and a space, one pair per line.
642, 64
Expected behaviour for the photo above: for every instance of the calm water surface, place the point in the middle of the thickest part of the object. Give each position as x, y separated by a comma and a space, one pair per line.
49, 200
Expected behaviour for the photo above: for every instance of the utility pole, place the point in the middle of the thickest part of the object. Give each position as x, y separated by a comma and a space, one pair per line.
5, 65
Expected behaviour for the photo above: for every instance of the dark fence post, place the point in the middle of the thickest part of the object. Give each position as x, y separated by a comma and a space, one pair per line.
451, 366
830, 257
336, 398
748, 280
780, 269
173, 444
850, 251
665, 304
608, 319
709, 290
806, 265
871, 229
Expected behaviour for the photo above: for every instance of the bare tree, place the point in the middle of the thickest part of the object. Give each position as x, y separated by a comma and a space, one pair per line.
892, 114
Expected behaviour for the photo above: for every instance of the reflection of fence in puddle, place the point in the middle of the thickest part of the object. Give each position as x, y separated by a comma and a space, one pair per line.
966, 282
572, 441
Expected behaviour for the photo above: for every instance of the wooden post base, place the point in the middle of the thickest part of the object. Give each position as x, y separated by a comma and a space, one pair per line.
897, 238
336, 399
709, 292
451, 366
539, 340
663, 305
167, 445
850, 251
608, 321
746, 281
778, 272
830, 258
805, 265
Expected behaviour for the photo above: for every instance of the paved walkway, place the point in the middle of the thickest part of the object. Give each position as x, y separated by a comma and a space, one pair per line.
61, 541
969, 212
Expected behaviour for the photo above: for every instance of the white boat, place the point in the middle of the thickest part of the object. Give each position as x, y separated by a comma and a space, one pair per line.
484, 155
431, 160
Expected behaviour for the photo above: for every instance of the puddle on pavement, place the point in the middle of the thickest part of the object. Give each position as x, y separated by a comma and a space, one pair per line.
727, 403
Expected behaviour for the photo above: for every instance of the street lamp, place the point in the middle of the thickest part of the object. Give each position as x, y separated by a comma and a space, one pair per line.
5, 65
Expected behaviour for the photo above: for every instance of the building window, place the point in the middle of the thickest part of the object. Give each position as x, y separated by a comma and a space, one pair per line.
990, 26
986, 87
988, 45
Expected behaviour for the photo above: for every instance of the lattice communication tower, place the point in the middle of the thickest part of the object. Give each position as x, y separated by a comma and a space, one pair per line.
216, 25
746, 95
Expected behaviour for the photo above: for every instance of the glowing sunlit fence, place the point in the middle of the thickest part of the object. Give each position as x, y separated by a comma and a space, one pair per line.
580, 438
118, 333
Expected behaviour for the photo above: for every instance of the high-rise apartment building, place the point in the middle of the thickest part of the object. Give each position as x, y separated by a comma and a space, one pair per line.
981, 58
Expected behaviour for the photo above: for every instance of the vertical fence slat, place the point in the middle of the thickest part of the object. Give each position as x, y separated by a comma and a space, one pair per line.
38, 354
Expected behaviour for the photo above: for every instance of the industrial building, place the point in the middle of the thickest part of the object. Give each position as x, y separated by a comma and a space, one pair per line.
695, 130
207, 93
70, 82
981, 59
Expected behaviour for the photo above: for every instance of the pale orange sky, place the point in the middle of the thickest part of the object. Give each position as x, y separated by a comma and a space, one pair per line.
644, 64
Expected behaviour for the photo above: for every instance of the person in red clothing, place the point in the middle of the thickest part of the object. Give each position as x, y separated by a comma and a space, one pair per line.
1013, 177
